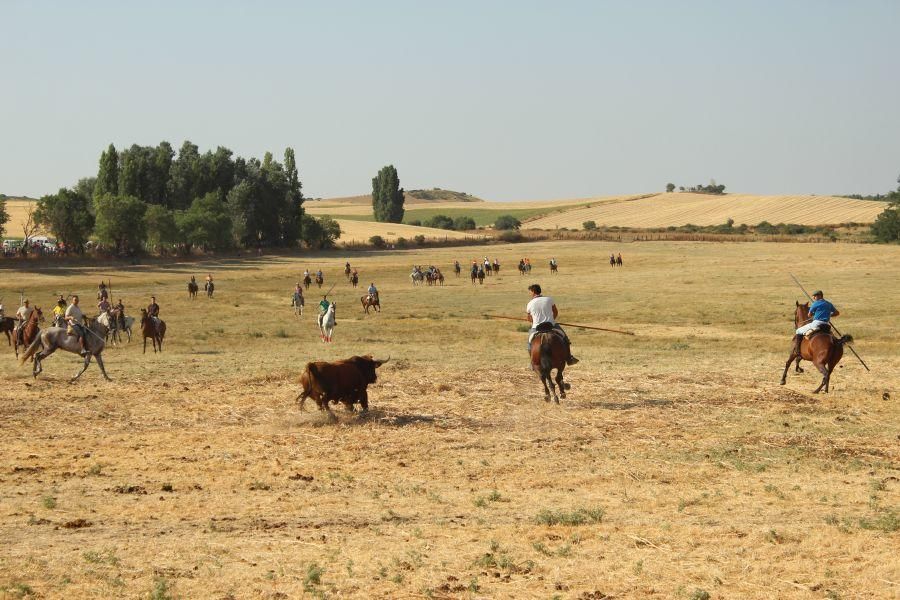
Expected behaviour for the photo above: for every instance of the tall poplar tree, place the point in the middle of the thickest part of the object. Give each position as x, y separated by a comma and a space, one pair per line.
387, 196
292, 220
108, 175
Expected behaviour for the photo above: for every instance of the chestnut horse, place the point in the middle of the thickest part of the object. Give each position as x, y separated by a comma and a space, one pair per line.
30, 331
548, 352
369, 301
821, 348
149, 329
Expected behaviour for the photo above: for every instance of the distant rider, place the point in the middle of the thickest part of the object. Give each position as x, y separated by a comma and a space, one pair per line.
120, 313
59, 312
22, 315
104, 305
75, 318
373, 293
153, 310
820, 312
542, 309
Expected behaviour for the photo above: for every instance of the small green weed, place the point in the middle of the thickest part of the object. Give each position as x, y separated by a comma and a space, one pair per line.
579, 516
49, 502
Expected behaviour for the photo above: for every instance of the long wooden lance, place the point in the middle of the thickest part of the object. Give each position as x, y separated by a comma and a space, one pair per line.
858, 357
566, 324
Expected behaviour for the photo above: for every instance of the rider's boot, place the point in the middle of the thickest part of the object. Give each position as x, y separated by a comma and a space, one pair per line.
84, 351
571, 360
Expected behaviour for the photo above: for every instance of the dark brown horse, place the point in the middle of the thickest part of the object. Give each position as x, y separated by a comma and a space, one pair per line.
307, 281
548, 352
192, 289
320, 279
30, 331
821, 348
156, 331
8, 326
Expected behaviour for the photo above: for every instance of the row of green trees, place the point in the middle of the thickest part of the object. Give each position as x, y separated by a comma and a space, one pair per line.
148, 196
712, 188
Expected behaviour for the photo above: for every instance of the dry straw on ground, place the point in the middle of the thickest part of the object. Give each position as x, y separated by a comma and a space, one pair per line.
676, 468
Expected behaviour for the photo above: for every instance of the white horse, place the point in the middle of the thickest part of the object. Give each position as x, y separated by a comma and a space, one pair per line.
417, 277
326, 323
113, 326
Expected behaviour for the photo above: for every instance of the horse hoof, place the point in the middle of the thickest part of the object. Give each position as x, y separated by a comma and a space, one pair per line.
563, 396
567, 386
783, 382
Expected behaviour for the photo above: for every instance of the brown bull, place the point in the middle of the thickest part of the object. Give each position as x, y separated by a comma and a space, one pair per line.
344, 381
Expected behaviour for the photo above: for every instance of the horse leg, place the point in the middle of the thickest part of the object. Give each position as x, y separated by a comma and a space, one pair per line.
797, 368
824, 371
560, 383
787, 366
544, 378
87, 361
145, 344
102, 367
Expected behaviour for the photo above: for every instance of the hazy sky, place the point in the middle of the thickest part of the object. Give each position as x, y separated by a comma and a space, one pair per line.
505, 100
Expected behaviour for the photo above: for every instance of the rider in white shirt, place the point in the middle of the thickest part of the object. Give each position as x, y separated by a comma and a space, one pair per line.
542, 309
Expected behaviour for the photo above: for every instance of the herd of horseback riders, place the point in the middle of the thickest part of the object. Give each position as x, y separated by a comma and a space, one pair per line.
814, 338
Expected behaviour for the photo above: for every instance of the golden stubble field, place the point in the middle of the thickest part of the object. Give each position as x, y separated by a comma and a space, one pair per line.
677, 467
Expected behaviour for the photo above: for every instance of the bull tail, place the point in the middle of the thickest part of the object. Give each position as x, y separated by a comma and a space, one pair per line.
30, 351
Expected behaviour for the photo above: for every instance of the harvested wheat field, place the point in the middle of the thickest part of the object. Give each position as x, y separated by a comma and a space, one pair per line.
18, 213
664, 210
360, 231
676, 468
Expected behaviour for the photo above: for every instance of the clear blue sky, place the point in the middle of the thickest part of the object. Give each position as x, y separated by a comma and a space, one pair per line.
506, 100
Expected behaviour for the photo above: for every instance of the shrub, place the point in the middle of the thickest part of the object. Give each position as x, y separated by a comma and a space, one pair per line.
507, 222
511, 236
440, 222
402, 242
378, 242
416, 222
420, 239
464, 223
589, 225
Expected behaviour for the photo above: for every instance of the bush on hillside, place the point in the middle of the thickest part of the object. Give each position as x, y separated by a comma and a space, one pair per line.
378, 242
589, 225
506, 222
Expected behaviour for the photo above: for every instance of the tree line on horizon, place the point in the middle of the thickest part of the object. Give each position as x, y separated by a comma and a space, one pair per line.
149, 197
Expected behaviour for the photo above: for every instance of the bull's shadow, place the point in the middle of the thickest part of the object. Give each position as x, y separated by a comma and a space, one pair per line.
631, 405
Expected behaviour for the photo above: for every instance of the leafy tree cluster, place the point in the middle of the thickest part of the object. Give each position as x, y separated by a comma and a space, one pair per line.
886, 227
444, 222
712, 188
149, 195
387, 196
507, 222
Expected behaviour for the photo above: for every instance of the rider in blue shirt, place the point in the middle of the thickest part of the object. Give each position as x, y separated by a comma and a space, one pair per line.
820, 313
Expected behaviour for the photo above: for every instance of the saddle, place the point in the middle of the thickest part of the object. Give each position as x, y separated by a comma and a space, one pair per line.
544, 327
823, 328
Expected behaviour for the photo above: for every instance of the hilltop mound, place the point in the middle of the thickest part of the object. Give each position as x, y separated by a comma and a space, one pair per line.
412, 197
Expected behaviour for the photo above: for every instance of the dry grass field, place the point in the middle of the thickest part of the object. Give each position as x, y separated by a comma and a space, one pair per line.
663, 210
361, 231
676, 468
18, 211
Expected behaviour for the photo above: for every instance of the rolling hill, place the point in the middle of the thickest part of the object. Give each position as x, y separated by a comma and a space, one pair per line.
664, 210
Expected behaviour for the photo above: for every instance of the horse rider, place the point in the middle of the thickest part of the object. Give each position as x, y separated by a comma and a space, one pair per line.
456, 266
2, 311
193, 280
474, 269
22, 315
153, 310
59, 312
496, 265
552, 262
541, 309
323, 307
306, 273
104, 305
319, 275
209, 278
75, 319
297, 298
373, 292
619, 259
820, 313
102, 292
120, 313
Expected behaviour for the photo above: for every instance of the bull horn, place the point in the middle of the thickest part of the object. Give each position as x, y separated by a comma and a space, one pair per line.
381, 362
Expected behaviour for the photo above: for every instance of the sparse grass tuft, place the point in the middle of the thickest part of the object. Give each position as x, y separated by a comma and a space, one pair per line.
579, 516
160, 590
49, 502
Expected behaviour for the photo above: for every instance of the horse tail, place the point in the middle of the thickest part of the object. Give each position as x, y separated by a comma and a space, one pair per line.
31, 350
844, 339
546, 353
